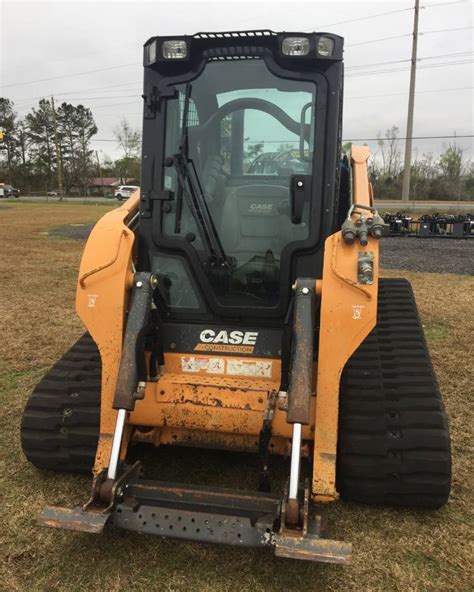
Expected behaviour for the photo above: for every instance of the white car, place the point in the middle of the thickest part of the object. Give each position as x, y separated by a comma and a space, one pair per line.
125, 191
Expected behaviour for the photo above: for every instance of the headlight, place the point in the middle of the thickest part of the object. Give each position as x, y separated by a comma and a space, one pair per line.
295, 46
174, 50
325, 46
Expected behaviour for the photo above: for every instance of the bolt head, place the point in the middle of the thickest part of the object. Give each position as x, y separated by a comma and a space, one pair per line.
139, 284
299, 183
305, 291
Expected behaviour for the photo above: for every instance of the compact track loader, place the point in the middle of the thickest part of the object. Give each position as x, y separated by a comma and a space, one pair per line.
235, 303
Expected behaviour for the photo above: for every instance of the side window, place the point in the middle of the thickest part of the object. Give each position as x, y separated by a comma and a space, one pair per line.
175, 285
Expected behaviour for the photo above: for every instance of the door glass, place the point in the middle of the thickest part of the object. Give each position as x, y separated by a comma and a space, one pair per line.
246, 132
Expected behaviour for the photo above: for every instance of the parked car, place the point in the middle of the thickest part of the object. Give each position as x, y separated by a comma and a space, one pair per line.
125, 191
52, 194
10, 191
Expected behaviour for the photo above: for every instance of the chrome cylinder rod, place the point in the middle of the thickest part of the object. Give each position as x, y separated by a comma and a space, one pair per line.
295, 462
116, 445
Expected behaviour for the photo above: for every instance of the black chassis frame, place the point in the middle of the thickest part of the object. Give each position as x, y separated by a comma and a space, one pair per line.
160, 78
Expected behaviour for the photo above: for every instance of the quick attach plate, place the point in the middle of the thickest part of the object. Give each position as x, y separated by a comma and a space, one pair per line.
229, 516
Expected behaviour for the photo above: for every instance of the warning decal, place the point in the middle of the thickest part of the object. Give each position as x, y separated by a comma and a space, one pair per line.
231, 367
207, 365
249, 368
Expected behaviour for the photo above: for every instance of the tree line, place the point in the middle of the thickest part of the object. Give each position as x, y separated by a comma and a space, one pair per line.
28, 154
28, 157
445, 176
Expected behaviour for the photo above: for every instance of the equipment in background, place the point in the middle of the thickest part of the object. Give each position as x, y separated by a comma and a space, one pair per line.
431, 225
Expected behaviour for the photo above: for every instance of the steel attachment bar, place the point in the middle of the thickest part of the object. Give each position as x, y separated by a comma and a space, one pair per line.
295, 462
117, 444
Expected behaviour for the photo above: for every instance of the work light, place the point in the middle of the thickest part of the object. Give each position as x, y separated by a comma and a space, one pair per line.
174, 50
295, 46
325, 46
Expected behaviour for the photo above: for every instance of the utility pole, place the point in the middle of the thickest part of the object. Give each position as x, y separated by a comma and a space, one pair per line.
58, 153
411, 107
100, 173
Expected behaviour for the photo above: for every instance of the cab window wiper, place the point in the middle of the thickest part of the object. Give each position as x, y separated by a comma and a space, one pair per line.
190, 187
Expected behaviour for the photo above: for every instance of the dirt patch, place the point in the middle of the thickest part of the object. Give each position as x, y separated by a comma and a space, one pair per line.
434, 255
72, 231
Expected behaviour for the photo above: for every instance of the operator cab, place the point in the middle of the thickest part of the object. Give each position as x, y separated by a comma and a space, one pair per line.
240, 167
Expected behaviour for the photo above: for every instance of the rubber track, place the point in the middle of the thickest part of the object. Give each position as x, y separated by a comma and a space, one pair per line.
394, 446
60, 424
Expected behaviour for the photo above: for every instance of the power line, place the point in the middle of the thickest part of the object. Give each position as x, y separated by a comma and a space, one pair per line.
445, 30
136, 95
364, 18
87, 100
418, 92
78, 90
69, 75
446, 55
406, 138
443, 4
115, 105
380, 39
389, 71
376, 64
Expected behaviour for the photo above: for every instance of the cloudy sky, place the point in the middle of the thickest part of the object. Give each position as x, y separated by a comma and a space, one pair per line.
90, 53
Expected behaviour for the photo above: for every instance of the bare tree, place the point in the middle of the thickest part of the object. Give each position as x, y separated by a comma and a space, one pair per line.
391, 157
129, 140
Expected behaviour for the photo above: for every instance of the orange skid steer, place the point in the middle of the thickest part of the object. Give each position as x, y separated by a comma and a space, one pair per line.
235, 303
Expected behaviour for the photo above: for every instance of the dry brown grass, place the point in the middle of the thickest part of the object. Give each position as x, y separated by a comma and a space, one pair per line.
394, 550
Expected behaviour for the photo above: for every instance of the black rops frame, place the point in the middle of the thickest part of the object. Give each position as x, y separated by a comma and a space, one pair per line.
302, 258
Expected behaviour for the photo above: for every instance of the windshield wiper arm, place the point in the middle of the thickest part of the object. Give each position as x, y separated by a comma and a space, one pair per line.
190, 187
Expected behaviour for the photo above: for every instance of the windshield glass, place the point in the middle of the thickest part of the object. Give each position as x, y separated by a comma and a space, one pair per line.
247, 132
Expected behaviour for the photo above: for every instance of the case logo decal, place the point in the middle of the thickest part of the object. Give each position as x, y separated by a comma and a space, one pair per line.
227, 341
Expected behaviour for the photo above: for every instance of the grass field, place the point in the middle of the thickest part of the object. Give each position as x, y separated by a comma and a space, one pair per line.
394, 550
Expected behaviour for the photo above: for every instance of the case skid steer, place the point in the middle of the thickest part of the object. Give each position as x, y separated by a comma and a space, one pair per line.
235, 303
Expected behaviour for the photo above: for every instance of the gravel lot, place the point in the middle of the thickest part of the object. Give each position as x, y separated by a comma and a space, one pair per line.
433, 255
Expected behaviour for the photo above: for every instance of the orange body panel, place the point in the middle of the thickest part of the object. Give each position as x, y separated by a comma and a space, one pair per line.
219, 404
103, 288
348, 314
